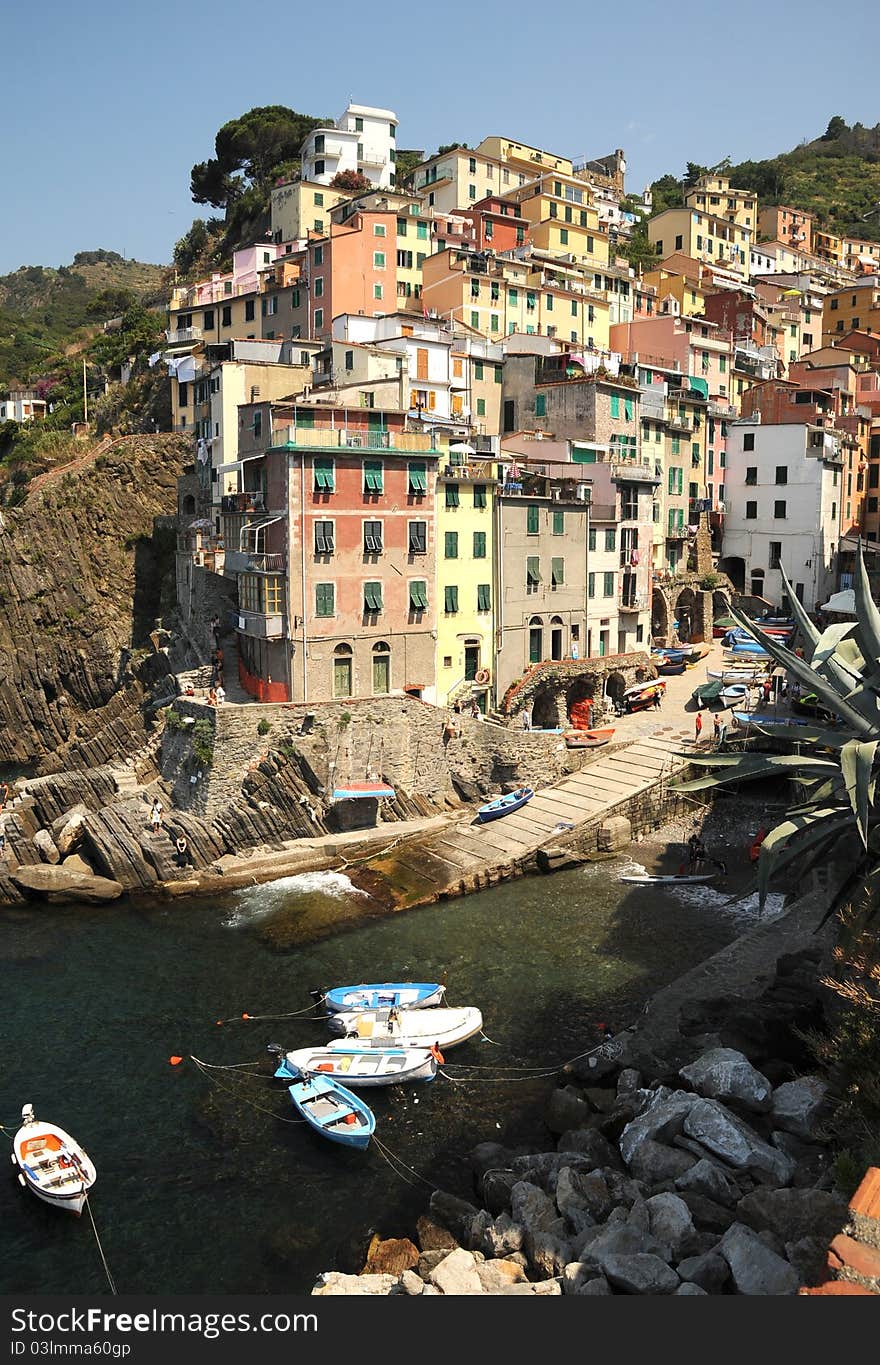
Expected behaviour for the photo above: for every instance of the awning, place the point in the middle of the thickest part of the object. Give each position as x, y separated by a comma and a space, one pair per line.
203, 524
461, 448
355, 790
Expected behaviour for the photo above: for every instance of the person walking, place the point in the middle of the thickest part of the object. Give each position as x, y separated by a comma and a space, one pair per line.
220, 694
657, 700
526, 718
156, 816
716, 727
698, 726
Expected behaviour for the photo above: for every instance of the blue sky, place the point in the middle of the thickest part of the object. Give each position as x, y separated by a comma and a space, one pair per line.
105, 107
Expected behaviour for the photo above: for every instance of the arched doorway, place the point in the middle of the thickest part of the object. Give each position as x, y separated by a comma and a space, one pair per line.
381, 668
615, 686
545, 709
342, 671
557, 638
189, 506
536, 640
579, 701
735, 568
685, 614
659, 615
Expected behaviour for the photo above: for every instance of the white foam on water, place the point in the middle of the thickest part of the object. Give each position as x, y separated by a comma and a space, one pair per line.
705, 896
257, 902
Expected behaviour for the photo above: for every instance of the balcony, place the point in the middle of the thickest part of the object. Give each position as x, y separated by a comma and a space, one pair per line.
231, 503
246, 561
676, 533
626, 471
183, 335
260, 625
311, 438
633, 602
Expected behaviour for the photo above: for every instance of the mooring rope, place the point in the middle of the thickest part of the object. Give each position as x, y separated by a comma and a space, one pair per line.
293, 1014
204, 1068
391, 1158
110, 1279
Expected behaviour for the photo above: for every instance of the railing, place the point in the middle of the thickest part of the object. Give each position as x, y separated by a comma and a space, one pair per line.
262, 625
265, 563
676, 533
633, 602
183, 334
243, 502
633, 472
306, 438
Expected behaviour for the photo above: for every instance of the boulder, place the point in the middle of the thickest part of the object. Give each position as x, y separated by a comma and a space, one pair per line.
497, 1275
662, 1115
597, 1286
724, 1074
707, 1178
495, 1188
710, 1124
549, 1252
754, 1268
554, 859
575, 1276
582, 1198
501, 1237
61, 885
593, 1146
45, 846
809, 1257
628, 1081
687, 1288
535, 1211
542, 1169
567, 1109
432, 1236
640, 1274
412, 1283
655, 1163
334, 1283
456, 1215
709, 1270
67, 830
615, 1239
796, 1105
74, 863
707, 1215
671, 1224
391, 1256
794, 1214
456, 1274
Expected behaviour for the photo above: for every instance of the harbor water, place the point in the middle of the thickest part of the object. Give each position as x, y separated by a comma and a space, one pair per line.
205, 1181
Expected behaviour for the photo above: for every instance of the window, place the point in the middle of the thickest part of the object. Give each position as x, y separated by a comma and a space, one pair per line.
749, 440
563, 236
751, 511
324, 478
450, 600
779, 510
451, 545
182, 394
751, 474
776, 554
349, 360
533, 571
319, 255
610, 538
452, 498
268, 309
591, 539
557, 573
209, 319
372, 537
377, 291
559, 523
417, 480
319, 144
679, 242
479, 495
478, 369
479, 544
608, 584
591, 585
782, 473
484, 597
319, 318
294, 301
325, 604
319, 200
615, 405
532, 523
323, 538
226, 314
481, 407
418, 537
475, 320
422, 231
249, 310
405, 260
372, 597
373, 476
418, 595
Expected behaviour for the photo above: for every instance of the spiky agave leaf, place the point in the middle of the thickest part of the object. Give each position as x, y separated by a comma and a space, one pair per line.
796, 835
857, 763
806, 627
867, 624
749, 766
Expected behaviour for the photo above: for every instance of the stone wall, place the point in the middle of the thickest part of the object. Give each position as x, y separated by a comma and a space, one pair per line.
202, 595
548, 689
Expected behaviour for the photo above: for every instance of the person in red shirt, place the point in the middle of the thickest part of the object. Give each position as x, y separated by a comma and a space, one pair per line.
698, 726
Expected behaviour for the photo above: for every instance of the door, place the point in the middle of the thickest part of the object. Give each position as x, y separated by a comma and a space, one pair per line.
381, 673
342, 677
536, 645
471, 661
556, 643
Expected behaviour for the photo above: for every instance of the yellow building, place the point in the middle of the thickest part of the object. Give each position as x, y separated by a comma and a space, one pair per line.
854, 308
562, 218
465, 581
827, 246
707, 237
303, 208
531, 161
686, 290
714, 196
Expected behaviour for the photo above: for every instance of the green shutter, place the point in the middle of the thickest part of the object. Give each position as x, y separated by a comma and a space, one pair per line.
451, 495
581, 456
478, 369
484, 597
557, 573
498, 374
305, 418
418, 478
324, 481
479, 495
372, 597
628, 409
479, 544
610, 538
451, 550
591, 540
608, 585
558, 523
533, 570
372, 476
670, 524
450, 600
532, 520
615, 405
418, 596
591, 585
541, 405
324, 599
481, 407
676, 445
670, 485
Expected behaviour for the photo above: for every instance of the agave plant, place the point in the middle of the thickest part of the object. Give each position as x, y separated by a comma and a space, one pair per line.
838, 771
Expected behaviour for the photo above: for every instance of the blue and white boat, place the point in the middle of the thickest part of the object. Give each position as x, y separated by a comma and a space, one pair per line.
357, 1064
734, 694
333, 1111
744, 718
411, 995
504, 805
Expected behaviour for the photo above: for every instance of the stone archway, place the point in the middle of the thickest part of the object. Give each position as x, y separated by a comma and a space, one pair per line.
579, 702
545, 709
685, 613
735, 568
660, 615
615, 686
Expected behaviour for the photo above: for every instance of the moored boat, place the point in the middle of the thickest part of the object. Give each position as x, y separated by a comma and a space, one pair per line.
646, 879
737, 673
412, 995
445, 1026
504, 805
333, 1111
734, 694
586, 739
357, 1065
707, 692
51, 1164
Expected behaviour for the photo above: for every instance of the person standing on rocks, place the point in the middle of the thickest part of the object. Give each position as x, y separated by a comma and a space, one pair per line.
156, 816
526, 718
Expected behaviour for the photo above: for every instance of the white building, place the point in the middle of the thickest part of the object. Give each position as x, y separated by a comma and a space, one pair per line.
363, 139
782, 491
22, 405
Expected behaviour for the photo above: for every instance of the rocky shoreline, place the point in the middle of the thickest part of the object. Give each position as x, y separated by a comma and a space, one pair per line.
685, 1156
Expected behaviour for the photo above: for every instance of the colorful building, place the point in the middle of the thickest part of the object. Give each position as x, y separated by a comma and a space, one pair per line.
714, 239
363, 140
465, 586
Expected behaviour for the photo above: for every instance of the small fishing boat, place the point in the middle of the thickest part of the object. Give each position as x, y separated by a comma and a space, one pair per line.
356, 791
586, 739
51, 1164
810, 705
641, 695
707, 692
736, 673
411, 995
445, 1027
672, 879
504, 805
333, 1111
357, 1065
745, 718
734, 694
672, 668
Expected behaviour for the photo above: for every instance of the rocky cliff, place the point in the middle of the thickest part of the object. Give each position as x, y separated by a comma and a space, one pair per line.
81, 575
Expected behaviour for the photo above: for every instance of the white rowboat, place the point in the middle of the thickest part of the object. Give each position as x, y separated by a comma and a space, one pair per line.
51, 1164
410, 1028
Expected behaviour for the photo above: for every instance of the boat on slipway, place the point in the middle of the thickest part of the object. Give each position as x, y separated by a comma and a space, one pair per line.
411, 995
332, 1111
504, 805
586, 739
357, 1065
51, 1164
444, 1026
